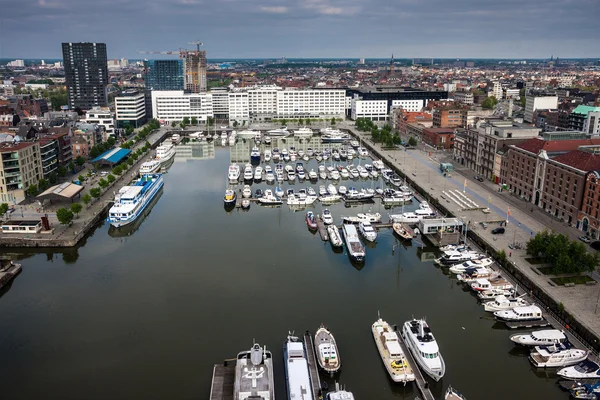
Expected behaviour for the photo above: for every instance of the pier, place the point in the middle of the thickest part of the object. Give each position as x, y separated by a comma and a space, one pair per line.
422, 384
312, 364
222, 381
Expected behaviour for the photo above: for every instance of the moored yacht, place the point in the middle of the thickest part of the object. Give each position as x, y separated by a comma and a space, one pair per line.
424, 348
339, 394
334, 236
529, 313
247, 192
258, 173
327, 352
230, 197
165, 152
234, 173
586, 369
131, 200
460, 268
150, 167
254, 375
327, 217
303, 132
544, 337
504, 303
267, 155
390, 351
480, 285
248, 174
269, 199
283, 131
367, 231
255, 155
297, 372
492, 293
559, 355
356, 251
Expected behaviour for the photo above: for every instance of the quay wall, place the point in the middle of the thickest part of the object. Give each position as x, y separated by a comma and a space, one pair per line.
552, 307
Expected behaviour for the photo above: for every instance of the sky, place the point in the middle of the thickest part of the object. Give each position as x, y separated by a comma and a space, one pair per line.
306, 28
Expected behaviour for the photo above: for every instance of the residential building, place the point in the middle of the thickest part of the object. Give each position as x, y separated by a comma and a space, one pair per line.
403, 119
49, 156
86, 74
415, 129
512, 93
408, 105
63, 138
449, 116
579, 116
6, 120
103, 117
533, 103
588, 218
592, 123
262, 102
20, 168
311, 103
439, 138
474, 118
174, 105
239, 107
464, 97
163, 74
130, 108
496, 90
93, 133
80, 146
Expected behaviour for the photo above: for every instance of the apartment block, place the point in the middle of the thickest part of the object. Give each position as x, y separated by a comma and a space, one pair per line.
464, 97
20, 168
448, 117
130, 108
103, 117
439, 138
533, 103
86, 73
174, 105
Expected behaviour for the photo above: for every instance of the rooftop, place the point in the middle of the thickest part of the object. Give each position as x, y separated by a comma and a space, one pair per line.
581, 109
535, 145
112, 156
579, 159
14, 146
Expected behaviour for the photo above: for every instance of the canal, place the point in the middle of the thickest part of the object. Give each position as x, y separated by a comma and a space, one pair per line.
146, 313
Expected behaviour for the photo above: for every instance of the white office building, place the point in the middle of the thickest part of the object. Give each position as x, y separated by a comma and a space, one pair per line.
533, 103
496, 91
409, 105
174, 105
262, 102
238, 107
311, 103
513, 93
220, 100
103, 117
375, 110
130, 107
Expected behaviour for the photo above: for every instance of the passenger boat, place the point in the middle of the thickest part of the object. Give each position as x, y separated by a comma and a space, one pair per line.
401, 231
491, 294
269, 199
247, 192
297, 372
356, 251
311, 221
230, 197
258, 173
234, 173
254, 374
165, 152
559, 355
328, 356
453, 394
367, 231
504, 303
339, 394
586, 369
279, 132
255, 155
327, 217
530, 313
150, 167
424, 348
334, 236
390, 351
460, 268
544, 337
481, 285
131, 200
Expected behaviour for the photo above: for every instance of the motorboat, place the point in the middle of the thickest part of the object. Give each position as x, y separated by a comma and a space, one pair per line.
544, 337
301, 175
310, 191
353, 172
322, 172
586, 369
406, 218
374, 174
258, 172
335, 175
312, 175
267, 139
232, 139
322, 190
279, 192
401, 231
362, 152
354, 143
390, 197
310, 152
344, 173
328, 356
343, 154
529, 313
362, 172
298, 200
363, 217
378, 164
454, 247
269, 175
331, 189
457, 258
351, 154
230, 197
276, 155
254, 374
131, 201
268, 198
586, 391
367, 231
422, 344
165, 152
258, 193
339, 394
355, 195
152, 166
492, 293
248, 173
460, 268
473, 274
258, 138
279, 132
356, 251
234, 173
300, 153
395, 180
311, 221
342, 190
558, 355
391, 353
267, 155
245, 204
330, 198
334, 136
248, 134
453, 394
504, 303
327, 217
255, 155
247, 192
336, 155
291, 175
297, 371
483, 284
224, 135
334, 236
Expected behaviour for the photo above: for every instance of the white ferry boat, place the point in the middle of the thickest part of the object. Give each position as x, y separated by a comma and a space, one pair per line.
356, 251
165, 152
424, 348
297, 372
150, 167
254, 375
391, 352
561, 355
131, 201
544, 337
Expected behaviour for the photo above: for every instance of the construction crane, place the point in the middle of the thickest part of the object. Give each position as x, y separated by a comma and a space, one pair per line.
182, 53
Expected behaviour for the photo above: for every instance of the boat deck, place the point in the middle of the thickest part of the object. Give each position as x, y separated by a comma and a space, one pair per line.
526, 324
322, 229
422, 385
222, 381
312, 364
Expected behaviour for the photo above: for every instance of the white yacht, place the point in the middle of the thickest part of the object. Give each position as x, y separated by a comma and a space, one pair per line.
344, 173
456, 257
586, 369
281, 132
131, 200
327, 217
362, 152
254, 375
234, 173
334, 236
481, 285
342, 190
150, 167
424, 348
175, 138
297, 372
339, 394
331, 189
544, 337
258, 173
378, 164
326, 350
409, 218
504, 303
335, 175
247, 192
460, 268
391, 352
529, 313
312, 175
492, 293
267, 155
560, 355
362, 217
270, 177
303, 132
248, 174
473, 274
334, 136
276, 155
247, 134
165, 152
269, 199
367, 231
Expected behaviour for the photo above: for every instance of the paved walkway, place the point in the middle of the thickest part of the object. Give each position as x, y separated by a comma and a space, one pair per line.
580, 300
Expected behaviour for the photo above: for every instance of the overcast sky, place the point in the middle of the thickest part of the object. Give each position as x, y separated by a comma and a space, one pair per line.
306, 28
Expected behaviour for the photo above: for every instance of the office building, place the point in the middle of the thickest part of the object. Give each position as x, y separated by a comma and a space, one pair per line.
579, 116
103, 117
533, 103
130, 109
311, 103
20, 168
389, 94
592, 123
163, 74
174, 105
86, 74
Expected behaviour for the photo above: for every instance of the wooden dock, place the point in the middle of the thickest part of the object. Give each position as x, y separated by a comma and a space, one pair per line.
422, 384
526, 324
322, 229
222, 381
312, 364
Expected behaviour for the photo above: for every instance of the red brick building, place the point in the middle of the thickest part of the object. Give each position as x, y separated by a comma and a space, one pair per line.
588, 218
440, 138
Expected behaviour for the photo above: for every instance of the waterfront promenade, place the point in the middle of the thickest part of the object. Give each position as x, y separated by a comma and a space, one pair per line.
422, 166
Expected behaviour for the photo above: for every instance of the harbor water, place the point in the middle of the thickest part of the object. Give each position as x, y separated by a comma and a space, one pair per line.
145, 312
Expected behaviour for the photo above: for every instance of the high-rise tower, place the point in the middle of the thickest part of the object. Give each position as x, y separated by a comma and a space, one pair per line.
194, 65
86, 74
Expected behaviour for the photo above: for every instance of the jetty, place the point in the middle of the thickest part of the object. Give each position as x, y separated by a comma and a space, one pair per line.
223, 379
8, 271
312, 364
422, 384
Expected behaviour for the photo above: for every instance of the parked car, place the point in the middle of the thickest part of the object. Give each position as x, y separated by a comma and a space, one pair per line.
497, 231
584, 239
478, 178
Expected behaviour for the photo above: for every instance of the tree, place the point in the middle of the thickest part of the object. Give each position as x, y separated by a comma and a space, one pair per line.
72, 166
117, 170
111, 141
62, 171
111, 178
300, 121
185, 122
43, 184
412, 141
244, 123
64, 216
76, 208
332, 121
80, 161
86, 198
210, 121
235, 124
103, 183
489, 103
135, 156
95, 192
173, 124
194, 121
284, 122
308, 121
3, 209
81, 178
130, 161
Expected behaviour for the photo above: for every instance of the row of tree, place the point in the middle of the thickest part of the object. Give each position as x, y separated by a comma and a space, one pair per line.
364, 124
100, 148
563, 255
187, 121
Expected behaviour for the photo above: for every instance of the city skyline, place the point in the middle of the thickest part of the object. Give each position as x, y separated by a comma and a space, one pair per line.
273, 29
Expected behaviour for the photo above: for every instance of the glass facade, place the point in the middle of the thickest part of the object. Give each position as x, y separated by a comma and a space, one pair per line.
163, 74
